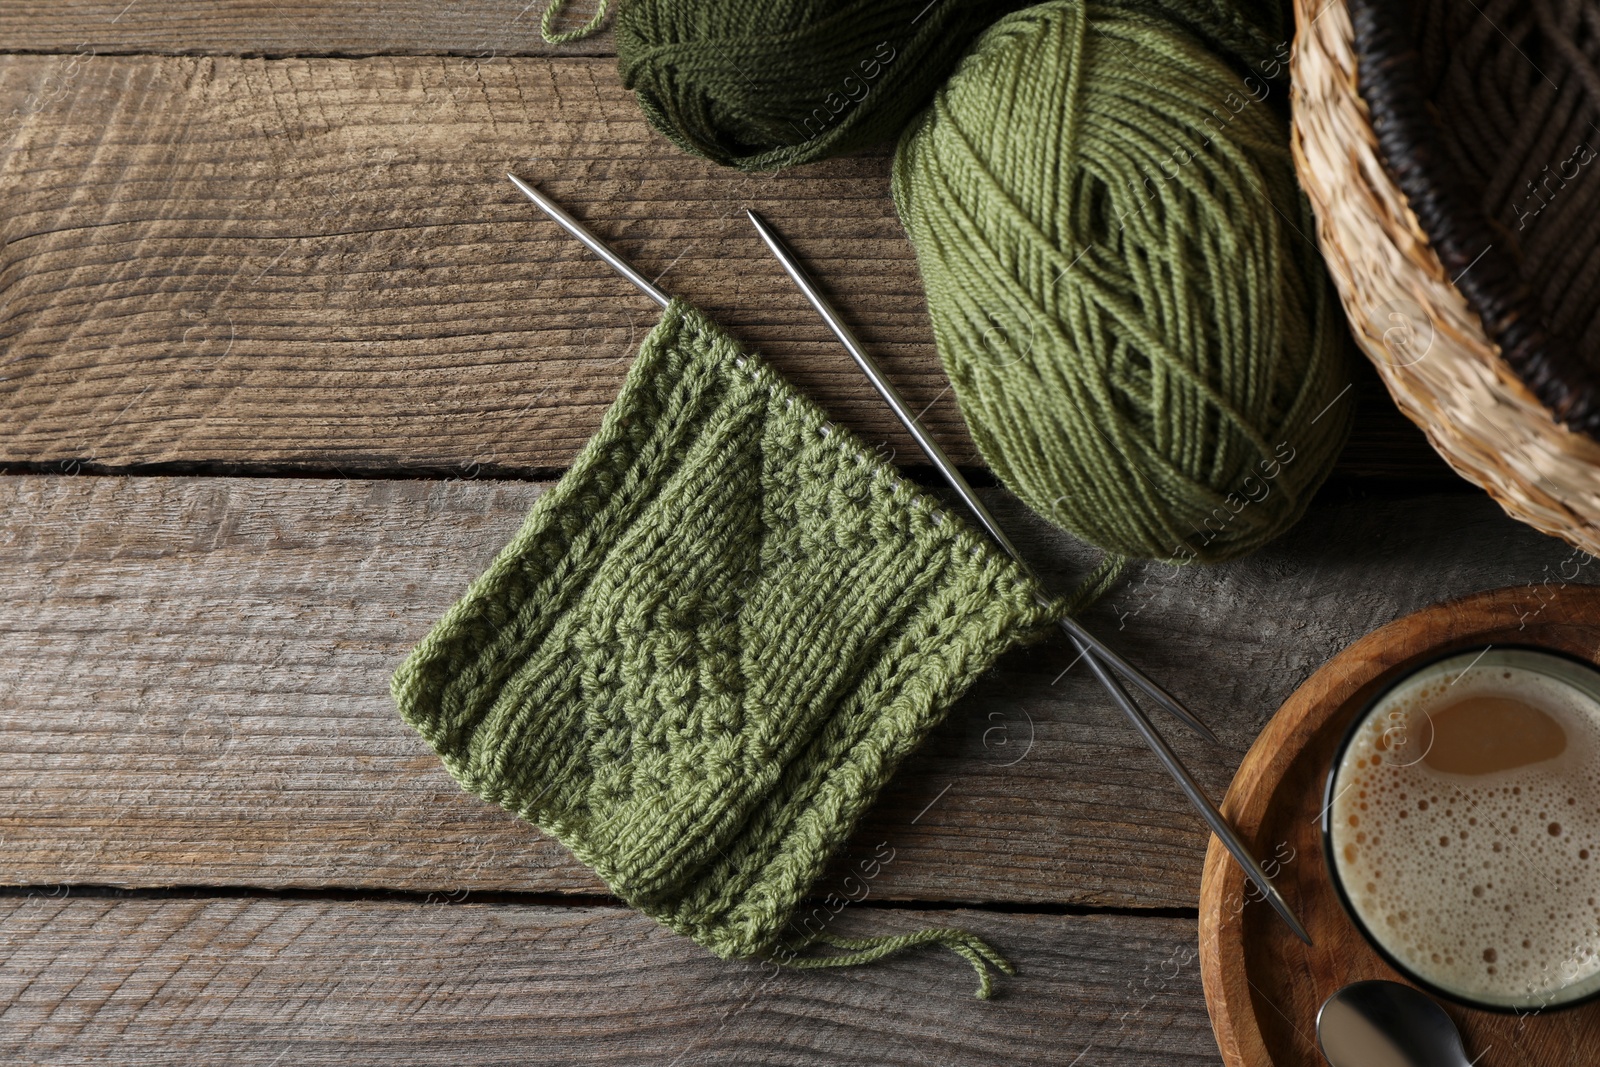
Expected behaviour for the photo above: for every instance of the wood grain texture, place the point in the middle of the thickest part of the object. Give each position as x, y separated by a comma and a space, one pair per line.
251, 983
214, 261
1263, 986
195, 692
290, 27
244, 265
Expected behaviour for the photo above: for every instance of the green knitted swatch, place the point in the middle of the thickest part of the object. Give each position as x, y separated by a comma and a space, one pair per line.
710, 645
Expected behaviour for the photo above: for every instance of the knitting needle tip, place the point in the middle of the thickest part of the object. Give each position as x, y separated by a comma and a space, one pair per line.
590, 241
1281, 906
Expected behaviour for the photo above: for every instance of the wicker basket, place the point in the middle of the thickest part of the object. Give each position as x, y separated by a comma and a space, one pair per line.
1443, 295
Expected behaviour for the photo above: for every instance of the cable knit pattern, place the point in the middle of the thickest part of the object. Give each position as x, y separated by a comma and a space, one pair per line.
712, 642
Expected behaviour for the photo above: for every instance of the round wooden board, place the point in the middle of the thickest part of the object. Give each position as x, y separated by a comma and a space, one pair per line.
1263, 987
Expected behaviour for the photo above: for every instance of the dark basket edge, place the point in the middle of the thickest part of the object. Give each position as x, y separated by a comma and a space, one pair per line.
1476, 251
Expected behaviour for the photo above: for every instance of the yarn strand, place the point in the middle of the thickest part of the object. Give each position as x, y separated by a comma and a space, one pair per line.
983, 957
547, 23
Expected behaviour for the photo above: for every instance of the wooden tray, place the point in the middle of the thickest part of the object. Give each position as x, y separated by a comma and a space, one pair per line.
1263, 987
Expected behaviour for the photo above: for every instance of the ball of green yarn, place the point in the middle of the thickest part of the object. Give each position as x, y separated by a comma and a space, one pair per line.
1123, 284
758, 84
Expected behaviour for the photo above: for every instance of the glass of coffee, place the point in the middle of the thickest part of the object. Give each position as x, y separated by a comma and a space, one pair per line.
1462, 827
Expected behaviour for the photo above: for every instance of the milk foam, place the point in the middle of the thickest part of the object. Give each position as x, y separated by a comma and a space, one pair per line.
1483, 885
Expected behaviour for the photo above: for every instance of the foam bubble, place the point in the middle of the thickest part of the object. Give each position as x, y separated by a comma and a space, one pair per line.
1481, 884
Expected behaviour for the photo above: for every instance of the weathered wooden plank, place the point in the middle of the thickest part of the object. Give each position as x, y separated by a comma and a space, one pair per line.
478, 28
193, 690
244, 265
255, 982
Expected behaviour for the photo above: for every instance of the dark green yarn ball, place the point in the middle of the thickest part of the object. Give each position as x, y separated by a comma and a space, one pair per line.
760, 84
1123, 282
1253, 35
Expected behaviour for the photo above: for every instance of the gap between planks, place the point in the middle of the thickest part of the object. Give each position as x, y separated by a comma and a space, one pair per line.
196, 676
219, 264
263, 982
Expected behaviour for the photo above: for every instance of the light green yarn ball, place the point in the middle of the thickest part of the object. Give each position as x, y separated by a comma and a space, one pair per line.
1123, 284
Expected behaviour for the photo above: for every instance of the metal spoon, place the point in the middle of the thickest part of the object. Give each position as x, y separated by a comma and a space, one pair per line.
1386, 1024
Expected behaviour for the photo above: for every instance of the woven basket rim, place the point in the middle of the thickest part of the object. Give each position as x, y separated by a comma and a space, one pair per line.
1477, 251
1474, 409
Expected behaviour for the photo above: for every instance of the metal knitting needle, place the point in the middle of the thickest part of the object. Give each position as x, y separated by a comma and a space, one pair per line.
1080, 636
930, 447
1089, 649
590, 241
1191, 789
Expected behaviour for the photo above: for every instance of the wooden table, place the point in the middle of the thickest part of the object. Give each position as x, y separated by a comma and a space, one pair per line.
283, 361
